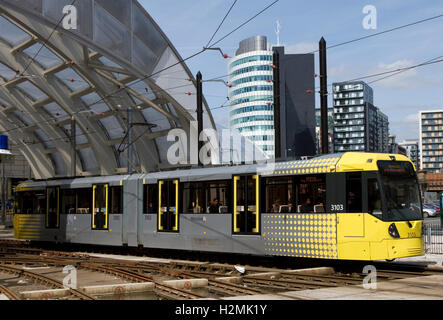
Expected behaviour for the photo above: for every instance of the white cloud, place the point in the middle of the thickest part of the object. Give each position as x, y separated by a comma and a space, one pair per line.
404, 78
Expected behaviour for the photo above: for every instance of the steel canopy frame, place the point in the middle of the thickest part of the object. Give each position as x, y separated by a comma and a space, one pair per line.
100, 71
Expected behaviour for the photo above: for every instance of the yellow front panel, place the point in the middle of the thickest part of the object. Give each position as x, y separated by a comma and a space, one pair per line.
376, 242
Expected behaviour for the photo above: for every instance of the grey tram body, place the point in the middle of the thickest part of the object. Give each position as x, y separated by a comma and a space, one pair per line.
205, 232
197, 232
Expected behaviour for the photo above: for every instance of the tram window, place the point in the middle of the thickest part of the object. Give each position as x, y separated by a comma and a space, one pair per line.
68, 201
374, 198
150, 198
84, 200
193, 198
28, 202
116, 200
217, 196
311, 193
40, 199
279, 194
353, 192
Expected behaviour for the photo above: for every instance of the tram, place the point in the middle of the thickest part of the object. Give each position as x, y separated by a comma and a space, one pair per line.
351, 206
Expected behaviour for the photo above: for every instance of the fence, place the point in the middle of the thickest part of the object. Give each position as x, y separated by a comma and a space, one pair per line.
433, 238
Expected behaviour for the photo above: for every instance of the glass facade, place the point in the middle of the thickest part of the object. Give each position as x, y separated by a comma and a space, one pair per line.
251, 96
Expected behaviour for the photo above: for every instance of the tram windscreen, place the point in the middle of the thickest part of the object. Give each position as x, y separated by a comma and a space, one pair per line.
401, 190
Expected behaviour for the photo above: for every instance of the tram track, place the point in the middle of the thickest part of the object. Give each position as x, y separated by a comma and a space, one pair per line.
11, 295
255, 280
44, 280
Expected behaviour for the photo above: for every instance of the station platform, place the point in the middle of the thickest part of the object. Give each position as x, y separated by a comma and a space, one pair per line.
6, 233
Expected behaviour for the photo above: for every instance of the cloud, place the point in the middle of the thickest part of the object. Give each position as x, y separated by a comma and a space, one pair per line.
403, 79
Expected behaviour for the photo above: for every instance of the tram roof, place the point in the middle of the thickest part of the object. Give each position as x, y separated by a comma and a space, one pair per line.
338, 162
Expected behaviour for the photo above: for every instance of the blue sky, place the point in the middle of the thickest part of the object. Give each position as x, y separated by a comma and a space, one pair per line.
189, 24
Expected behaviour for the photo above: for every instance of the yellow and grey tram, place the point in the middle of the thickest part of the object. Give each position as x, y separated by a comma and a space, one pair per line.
353, 206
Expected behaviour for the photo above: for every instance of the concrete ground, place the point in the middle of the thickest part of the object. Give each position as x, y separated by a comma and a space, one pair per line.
420, 288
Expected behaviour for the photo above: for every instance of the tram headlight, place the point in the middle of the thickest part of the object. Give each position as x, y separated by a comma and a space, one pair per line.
393, 231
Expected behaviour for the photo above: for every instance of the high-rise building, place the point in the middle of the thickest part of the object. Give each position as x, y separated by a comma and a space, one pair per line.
412, 151
251, 74
431, 141
358, 124
251, 95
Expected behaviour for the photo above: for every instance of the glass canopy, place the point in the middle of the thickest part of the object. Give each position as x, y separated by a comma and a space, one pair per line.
116, 63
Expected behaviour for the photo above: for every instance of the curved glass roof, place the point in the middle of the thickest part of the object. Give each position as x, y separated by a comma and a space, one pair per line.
113, 62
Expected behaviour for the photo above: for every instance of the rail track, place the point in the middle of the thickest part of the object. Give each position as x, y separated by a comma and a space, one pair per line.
45, 280
11, 295
224, 280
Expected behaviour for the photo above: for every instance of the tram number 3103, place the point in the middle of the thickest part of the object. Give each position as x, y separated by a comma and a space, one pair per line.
337, 207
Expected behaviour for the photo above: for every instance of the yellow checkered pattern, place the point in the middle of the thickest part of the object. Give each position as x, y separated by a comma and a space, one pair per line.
301, 235
321, 165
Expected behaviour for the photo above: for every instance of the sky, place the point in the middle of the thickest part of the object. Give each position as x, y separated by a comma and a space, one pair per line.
189, 24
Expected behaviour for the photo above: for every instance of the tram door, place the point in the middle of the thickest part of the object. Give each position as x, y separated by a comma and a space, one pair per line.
168, 205
53, 207
100, 207
246, 218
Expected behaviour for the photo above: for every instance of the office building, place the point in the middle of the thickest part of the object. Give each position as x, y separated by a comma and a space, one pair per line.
358, 125
431, 141
251, 74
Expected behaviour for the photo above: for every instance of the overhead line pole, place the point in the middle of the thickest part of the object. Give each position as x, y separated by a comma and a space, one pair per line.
199, 112
323, 98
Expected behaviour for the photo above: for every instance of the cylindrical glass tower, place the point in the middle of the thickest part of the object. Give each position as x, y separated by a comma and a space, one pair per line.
251, 95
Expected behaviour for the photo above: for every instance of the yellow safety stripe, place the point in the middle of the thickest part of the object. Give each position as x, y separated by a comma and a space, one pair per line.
93, 207
160, 227
257, 209
106, 208
176, 205
58, 207
47, 208
236, 213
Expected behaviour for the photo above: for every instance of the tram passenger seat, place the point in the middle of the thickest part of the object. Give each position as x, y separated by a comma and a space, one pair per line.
298, 208
318, 208
284, 209
223, 209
